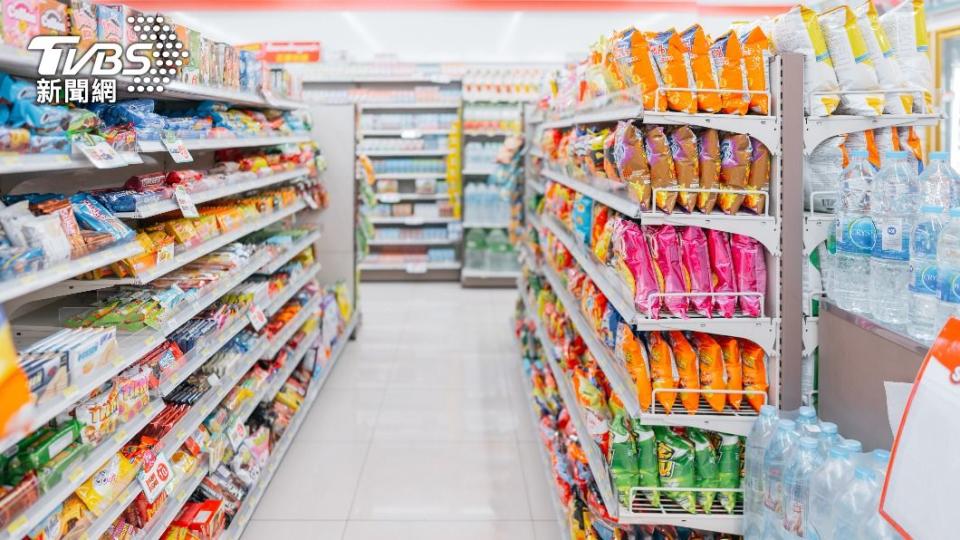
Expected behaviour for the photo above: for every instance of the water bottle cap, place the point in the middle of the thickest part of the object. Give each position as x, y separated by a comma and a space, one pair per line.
786, 424
862, 473
862, 154
768, 410
853, 445
828, 427
880, 456
931, 209
808, 442
896, 154
807, 412
940, 155
839, 451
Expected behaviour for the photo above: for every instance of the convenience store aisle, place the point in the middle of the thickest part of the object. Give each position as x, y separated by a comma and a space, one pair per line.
423, 430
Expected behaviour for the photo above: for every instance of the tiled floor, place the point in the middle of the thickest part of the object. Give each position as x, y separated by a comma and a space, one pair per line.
422, 432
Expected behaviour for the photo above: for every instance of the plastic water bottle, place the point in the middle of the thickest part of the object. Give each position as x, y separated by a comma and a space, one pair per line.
778, 455
853, 506
757, 441
826, 485
855, 235
829, 437
876, 527
948, 269
476, 249
796, 489
937, 181
923, 267
895, 196
807, 423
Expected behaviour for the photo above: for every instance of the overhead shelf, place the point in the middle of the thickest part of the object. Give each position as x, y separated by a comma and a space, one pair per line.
404, 153
817, 129
411, 221
292, 251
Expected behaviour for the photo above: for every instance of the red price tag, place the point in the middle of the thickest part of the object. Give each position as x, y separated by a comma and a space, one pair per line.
257, 318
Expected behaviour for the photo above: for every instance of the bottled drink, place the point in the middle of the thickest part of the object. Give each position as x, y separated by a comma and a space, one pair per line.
936, 181
757, 442
893, 207
876, 527
853, 506
828, 262
796, 489
855, 235
807, 424
498, 251
829, 437
476, 249
948, 269
923, 267
826, 485
778, 455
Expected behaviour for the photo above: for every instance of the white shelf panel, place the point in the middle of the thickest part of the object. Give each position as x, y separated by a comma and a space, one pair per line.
477, 273
426, 106
162, 207
175, 500
404, 153
818, 129
608, 114
410, 268
430, 242
671, 513
412, 221
291, 289
383, 79
486, 224
765, 229
474, 171
617, 202
410, 176
292, 251
280, 340
220, 144
391, 198
489, 133
39, 162
409, 133
816, 229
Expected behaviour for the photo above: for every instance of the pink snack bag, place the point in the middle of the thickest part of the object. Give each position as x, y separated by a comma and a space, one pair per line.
665, 249
721, 267
750, 270
696, 266
632, 261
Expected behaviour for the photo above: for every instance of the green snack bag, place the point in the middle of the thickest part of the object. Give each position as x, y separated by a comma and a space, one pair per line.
623, 452
705, 459
676, 460
647, 462
729, 470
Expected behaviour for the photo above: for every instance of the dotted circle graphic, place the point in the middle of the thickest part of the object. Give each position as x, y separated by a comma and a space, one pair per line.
168, 53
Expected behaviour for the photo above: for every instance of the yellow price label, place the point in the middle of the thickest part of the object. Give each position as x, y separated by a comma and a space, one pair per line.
77, 474
17, 525
70, 391
120, 436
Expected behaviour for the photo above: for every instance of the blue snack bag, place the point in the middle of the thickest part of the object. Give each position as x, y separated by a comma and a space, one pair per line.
582, 217
91, 215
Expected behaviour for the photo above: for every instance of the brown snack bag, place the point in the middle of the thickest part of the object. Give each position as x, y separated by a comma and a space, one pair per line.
662, 171
631, 161
686, 162
609, 159
709, 169
759, 178
735, 156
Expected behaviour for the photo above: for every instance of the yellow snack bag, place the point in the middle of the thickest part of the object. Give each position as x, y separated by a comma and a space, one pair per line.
851, 62
698, 63
636, 66
668, 52
729, 64
103, 487
799, 32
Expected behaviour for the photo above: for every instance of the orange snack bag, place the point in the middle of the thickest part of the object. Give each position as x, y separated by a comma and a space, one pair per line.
757, 50
730, 347
728, 62
668, 52
711, 369
754, 372
662, 370
698, 58
686, 360
633, 354
632, 56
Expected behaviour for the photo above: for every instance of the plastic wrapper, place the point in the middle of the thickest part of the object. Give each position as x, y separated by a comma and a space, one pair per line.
711, 369
623, 452
884, 60
633, 353
581, 217
40, 118
699, 64
706, 466
633, 262
44, 232
797, 31
728, 470
709, 169
662, 169
753, 360
63, 210
736, 153
647, 466
729, 66
821, 173
906, 28
695, 258
636, 65
721, 266
677, 467
669, 55
750, 270
730, 348
663, 372
13, 90
595, 409
685, 359
94, 217
14, 139
852, 62
55, 144
665, 251
759, 178
631, 160
603, 239
105, 485
686, 161
757, 51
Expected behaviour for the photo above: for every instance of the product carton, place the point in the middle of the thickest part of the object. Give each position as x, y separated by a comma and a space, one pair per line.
110, 24
20, 22
83, 22
52, 17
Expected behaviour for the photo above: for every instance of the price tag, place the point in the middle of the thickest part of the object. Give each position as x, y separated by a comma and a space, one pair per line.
154, 479
132, 158
410, 134
213, 379
257, 318
413, 221
98, 151
416, 268
77, 474
17, 525
237, 433
185, 202
311, 202
174, 145
389, 197
120, 436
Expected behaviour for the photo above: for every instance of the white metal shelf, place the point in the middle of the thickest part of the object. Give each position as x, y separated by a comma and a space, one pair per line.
399, 106
384, 79
818, 129
410, 176
613, 200
412, 221
292, 288
479, 273
225, 143
404, 153
292, 251
408, 133
408, 242
609, 114
476, 171
816, 229
390, 198
293, 325
410, 267
171, 507
162, 207
489, 133
486, 224
671, 513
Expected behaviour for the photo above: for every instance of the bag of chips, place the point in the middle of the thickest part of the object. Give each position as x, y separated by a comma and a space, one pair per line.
736, 152
685, 359
730, 348
884, 60
632, 55
711, 369
754, 372
668, 53
603, 239
633, 262
851, 62
728, 470
662, 169
633, 353
697, 46
709, 169
662, 370
706, 467
695, 259
609, 159
686, 162
623, 452
677, 468
797, 31
728, 66
750, 270
647, 462
757, 51
906, 27
721, 266
759, 178
595, 409
631, 159
105, 485
581, 216
665, 251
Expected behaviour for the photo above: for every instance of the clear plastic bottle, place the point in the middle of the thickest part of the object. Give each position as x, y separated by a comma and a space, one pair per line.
807, 423
757, 441
936, 181
828, 262
826, 485
855, 235
796, 489
924, 291
853, 505
498, 249
476, 249
948, 269
778, 455
829, 437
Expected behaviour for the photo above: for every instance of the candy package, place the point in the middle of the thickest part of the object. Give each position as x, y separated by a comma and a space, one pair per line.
797, 31
709, 169
631, 160
635, 64
685, 359
711, 369
699, 64
662, 170
686, 161
663, 372
633, 353
728, 470
677, 467
754, 373
94, 217
647, 466
665, 252
669, 55
695, 258
623, 452
632, 260
730, 348
851, 62
721, 266
750, 271
735, 155
728, 66
706, 467
105, 485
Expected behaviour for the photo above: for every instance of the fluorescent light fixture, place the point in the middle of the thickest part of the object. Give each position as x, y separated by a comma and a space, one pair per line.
509, 32
362, 32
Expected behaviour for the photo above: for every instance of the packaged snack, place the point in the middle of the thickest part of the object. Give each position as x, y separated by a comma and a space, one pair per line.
728, 68
623, 452
821, 173
757, 51
685, 359
677, 468
695, 259
750, 270
581, 219
609, 158
686, 162
730, 348
110, 23
633, 353
636, 65
754, 372
759, 178
851, 62
99, 414
709, 169
45, 232
665, 251
706, 466
647, 466
595, 408
52, 472
662, 169
697, 57
663, 372
52, 17
906, 27
597, 225
14, 90
603, 240
631, 159
711, 369
728, 470
735, 155
721, 265
797, 31
883, 58
668, 53
20, 22
94, 217
633, 262
83, 22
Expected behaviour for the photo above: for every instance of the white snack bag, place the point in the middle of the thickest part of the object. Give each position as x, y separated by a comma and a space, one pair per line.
906, 27
884, 59
851, 62
797, 31
821, 173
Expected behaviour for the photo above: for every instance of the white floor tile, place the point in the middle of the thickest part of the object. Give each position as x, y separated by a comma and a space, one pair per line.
368, 367
439, 530
444, 415
474, 374
344, 415
547, 530
300, 530
540, 488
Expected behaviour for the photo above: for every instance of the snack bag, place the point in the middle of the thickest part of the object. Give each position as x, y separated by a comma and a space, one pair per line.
735, 155
686, 162
721, 266
757, 51
851, 62
647, 466
884, 60
906, 27
750, 270
665, 250
797, 31
610, 324
609, 158
730, 348
631, 159
695, 259
597, 224
728, 67
603, 239
636, 65
623, 452
675, 456
754, 372
821, 173
686, 360
668, 53
580, 217
697, 58
706, 467
711, 369
103, 487
709, 169
632, 260
728, 470
759, 178
595, 409
662, 370
633, 353
662, 170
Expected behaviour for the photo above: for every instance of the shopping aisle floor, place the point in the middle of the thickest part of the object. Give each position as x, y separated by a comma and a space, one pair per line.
422, 432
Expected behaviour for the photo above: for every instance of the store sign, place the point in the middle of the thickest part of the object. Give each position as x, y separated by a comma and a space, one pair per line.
286, 52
